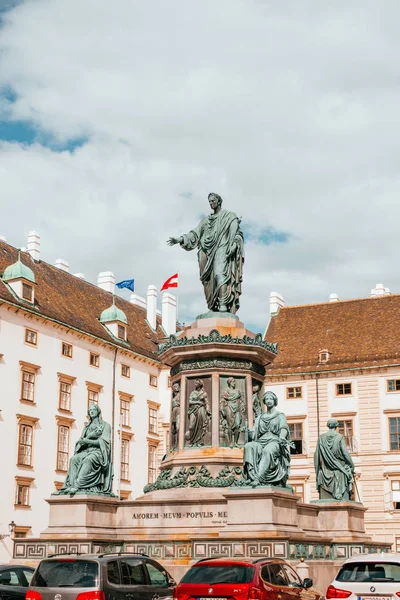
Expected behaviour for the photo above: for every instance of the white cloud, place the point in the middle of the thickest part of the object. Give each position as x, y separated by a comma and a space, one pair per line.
288, 110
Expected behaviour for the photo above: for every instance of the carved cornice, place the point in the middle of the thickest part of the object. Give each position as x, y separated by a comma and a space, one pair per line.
195, 477
215, 337
217, 363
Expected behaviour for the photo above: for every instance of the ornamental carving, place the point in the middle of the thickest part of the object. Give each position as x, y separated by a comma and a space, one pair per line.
214, 337
218, 363
195, 477
232, 412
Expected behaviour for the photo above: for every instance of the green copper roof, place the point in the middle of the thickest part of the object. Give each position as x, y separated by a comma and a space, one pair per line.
18, 271
113, 314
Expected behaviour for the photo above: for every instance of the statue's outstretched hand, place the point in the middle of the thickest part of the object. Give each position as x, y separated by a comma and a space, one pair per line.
172, 241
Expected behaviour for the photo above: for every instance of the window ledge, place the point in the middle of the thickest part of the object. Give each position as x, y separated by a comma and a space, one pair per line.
22, 506
59, 472
30, 467
125, 481
30, 402
65, 410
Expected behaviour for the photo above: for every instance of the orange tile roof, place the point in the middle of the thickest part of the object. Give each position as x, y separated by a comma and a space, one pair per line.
78, 304
357, 333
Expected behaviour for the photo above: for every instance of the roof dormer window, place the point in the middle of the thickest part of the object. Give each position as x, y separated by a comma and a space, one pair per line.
27, 291
114, 319
323, 356
21, 279
121, 332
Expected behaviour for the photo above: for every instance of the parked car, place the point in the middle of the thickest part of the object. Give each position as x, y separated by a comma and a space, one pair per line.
261, 579
368, 577
14, 581
100, 577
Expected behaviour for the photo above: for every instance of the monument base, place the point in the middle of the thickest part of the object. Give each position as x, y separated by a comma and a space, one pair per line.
179, 527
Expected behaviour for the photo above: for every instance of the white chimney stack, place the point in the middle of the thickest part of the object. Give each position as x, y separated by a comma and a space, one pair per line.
169, 313
152, 306
380, 290
79, 275
138, 300
3, 238
62, 264
33, 245
334, 298
276, 302
106, 281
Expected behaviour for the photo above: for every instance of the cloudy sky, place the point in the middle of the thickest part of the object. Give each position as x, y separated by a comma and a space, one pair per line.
118, 118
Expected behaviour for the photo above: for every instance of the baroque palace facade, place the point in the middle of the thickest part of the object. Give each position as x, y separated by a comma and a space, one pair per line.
65, 343
341, 359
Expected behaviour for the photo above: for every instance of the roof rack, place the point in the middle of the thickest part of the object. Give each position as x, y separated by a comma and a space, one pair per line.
122, 553
64, 554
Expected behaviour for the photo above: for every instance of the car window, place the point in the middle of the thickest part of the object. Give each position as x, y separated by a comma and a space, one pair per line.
66, 572
291, 576
9, 577
156, 575
113, 575
370, 571
132, 570
219, 574
277, 574
28, 575
265, 574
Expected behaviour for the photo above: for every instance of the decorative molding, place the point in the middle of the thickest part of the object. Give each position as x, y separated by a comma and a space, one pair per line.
230, 364
64, 420
344, 413
126, 435
152, 404
27, 366
195, 477
126, 396
153, 441
20, 480
66, 378
94, 386
391, 411
215, 337
26, 420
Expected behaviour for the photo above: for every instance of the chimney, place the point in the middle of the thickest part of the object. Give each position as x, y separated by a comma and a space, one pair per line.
3, 238
79, 275
106, 281
169, 313
62, 264
276, 302
334, 298
380, 290
33, 245
138, 300
152, 306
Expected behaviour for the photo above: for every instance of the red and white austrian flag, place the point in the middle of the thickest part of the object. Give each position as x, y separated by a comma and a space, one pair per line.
172, 282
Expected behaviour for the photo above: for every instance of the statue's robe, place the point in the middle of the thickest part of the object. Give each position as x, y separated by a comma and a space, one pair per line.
333, 467
215, 237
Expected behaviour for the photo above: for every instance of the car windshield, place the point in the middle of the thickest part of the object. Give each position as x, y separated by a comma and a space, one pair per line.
213, 574
66, 573
370, 571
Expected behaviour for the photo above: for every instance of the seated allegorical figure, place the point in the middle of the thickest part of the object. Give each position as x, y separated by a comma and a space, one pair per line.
266, 457
90, 468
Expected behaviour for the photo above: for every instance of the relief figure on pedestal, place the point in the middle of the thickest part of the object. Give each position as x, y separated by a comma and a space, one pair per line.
199, 415
220, 245
266, 458
231, 413
256, 400
90, 468
175, 414
334, 467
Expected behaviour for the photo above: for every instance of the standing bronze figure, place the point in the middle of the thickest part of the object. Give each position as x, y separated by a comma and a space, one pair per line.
231, 412
220, 245
199, 415
334, 466
175, 415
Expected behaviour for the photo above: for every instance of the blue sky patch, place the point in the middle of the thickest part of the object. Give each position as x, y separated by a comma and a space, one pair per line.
265, 236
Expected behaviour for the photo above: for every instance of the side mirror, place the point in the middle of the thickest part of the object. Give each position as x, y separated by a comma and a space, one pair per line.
307, 583
171, 581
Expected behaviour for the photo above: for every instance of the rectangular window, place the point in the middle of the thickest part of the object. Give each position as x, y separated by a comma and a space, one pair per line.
125, 371
25, 445
294, 392
394, 433
62, 448
125, 459
93, 397
393, 385
299, 490
125, 409
66, 349
28, 386
27, 292
395, 485
397, 544
343, 389
94, 359
152, 475
65, 396
152, 420
31, 337
346, 429
296, 436
22, 495
153, 381
121, 332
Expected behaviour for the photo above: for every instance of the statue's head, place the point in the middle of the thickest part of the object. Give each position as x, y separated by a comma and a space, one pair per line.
332, 424
94, 411
176, 387
270, 399
198, 383
214, 199
231, 382
256, 388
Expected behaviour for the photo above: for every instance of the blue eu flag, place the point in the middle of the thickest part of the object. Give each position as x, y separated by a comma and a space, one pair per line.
127, 283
